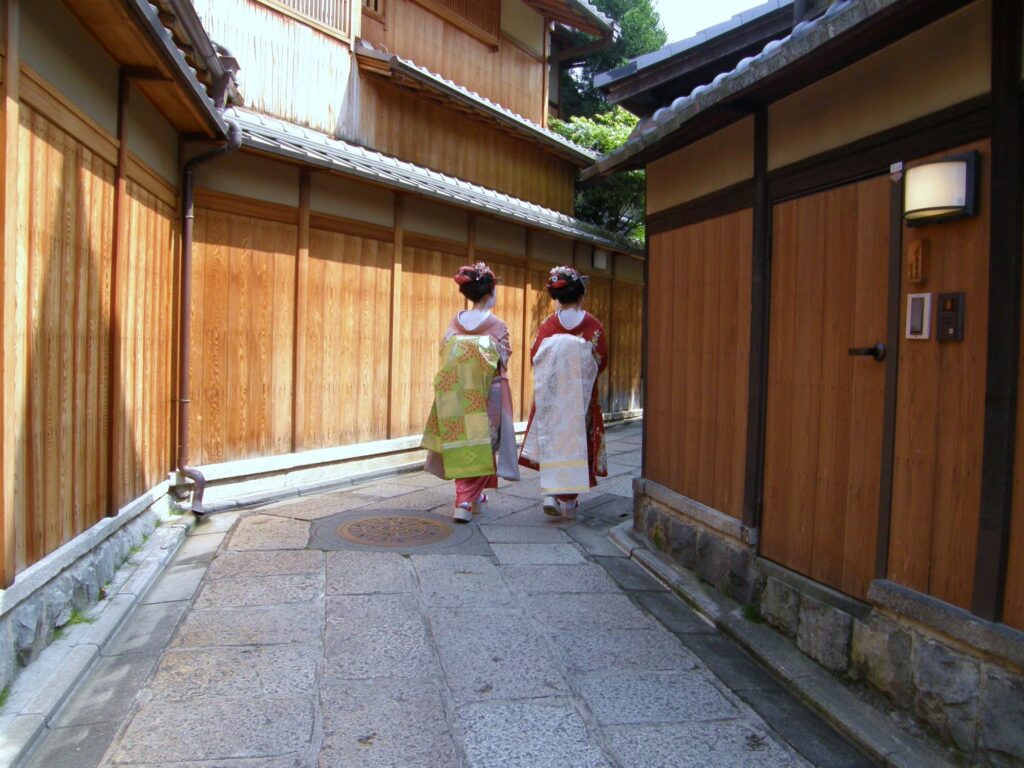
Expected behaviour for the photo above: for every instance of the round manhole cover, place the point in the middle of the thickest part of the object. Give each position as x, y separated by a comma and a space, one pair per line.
394, 531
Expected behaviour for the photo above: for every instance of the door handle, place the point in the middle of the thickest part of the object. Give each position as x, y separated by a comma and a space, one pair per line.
877, 351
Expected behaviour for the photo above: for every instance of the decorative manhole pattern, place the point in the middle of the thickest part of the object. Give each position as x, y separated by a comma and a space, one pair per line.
394, 531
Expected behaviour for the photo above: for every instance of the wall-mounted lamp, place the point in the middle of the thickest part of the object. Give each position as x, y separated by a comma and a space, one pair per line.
599, 260
941, 191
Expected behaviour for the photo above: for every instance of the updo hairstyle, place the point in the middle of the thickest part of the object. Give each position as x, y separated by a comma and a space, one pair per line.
476, 281
566, 285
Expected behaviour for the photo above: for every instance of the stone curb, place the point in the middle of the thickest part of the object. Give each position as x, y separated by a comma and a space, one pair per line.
867, 728
48, 682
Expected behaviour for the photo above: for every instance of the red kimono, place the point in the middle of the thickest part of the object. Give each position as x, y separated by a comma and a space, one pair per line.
590, 329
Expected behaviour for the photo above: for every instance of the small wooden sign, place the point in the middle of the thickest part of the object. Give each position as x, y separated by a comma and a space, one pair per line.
917, 262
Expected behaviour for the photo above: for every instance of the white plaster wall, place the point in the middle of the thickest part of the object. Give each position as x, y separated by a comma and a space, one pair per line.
56, 46
435, 220
152, 138
494, 235
941, 65
250, 176
337, 196
523, 24
716, 162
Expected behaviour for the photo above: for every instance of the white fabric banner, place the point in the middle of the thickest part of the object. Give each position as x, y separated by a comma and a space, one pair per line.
564, 370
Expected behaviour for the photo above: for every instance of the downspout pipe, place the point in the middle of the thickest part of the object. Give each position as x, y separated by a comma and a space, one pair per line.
185, 308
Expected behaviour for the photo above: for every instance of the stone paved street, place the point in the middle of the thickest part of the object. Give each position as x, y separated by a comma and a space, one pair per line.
270, 642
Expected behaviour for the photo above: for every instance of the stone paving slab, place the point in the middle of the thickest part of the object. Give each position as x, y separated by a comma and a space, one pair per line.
537, 579
730, 744
653, 697
273, 625
246, 591
269, 532
592, 535
237, 564
226, 672
311, 508
216, 729
385, 723
621, 649
74, 746
366, 573
629, 575
372, 612
148, 629
528, 735
521, 534
109, 693
560, 612
537, 554
356, 653
486, 659
454, 581
177, 583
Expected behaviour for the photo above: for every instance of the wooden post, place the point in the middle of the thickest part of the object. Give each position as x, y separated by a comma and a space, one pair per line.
1006, 239
545, 73
116, 419
301, 317
527, 312
12, 448
471, 239
609, 329
395, 384
760, 296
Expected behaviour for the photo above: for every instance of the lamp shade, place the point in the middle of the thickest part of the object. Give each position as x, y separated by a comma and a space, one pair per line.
939, 191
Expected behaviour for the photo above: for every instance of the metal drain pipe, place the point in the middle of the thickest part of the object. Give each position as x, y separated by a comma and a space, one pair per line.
185, 312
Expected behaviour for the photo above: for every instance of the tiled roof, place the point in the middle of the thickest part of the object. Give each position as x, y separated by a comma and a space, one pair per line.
480, 104
805, 38
164, 37
267, 134
674, 49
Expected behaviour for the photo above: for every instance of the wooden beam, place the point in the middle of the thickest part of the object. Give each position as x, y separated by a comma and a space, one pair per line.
394, 380
301, 317
116, 419
12, 449
760, 297
892, 341
1004, 310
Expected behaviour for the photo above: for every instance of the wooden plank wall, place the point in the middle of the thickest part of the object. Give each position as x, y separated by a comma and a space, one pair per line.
395, 122
242, 332
940, 418
697, 359
1013, 602
243, 362
626, 343
509, 76
66, 241
823, 438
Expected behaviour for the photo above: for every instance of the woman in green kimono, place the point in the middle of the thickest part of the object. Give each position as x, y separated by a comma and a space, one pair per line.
471, 420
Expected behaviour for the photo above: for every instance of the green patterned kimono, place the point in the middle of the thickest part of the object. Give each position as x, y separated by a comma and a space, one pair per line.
459, 427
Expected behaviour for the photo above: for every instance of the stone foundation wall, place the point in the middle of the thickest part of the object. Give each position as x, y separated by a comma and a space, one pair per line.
962, 678
42, 599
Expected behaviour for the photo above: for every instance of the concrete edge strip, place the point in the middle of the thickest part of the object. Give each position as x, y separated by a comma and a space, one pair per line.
72, 662
869, 730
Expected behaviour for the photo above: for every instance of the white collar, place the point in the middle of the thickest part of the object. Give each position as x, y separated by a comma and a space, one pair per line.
471, 319
571, 318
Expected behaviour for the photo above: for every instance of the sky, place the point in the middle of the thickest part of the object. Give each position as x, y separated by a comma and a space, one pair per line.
682, 18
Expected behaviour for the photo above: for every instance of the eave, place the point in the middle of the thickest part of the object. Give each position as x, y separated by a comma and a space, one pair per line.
133, 35
814, 51
579, 14
406, 75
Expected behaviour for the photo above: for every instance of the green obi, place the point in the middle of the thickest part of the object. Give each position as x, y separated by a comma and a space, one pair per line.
459, 428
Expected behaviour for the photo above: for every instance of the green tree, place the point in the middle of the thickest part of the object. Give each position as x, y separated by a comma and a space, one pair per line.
617, 204
641, 32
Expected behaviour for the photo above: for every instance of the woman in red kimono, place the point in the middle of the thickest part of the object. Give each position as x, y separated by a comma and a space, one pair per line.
479, 285
567, 444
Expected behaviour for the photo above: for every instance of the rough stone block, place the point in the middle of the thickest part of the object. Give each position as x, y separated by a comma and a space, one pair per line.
947, 691
824, 634
744, 583
683, 544
1001, 720
30, 628
880, 652
713, 558
7, 658
780, 606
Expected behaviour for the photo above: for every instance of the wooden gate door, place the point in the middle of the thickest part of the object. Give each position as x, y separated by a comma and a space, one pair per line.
826, 389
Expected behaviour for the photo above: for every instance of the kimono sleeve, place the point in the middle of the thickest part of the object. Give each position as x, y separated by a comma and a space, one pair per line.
600, 342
